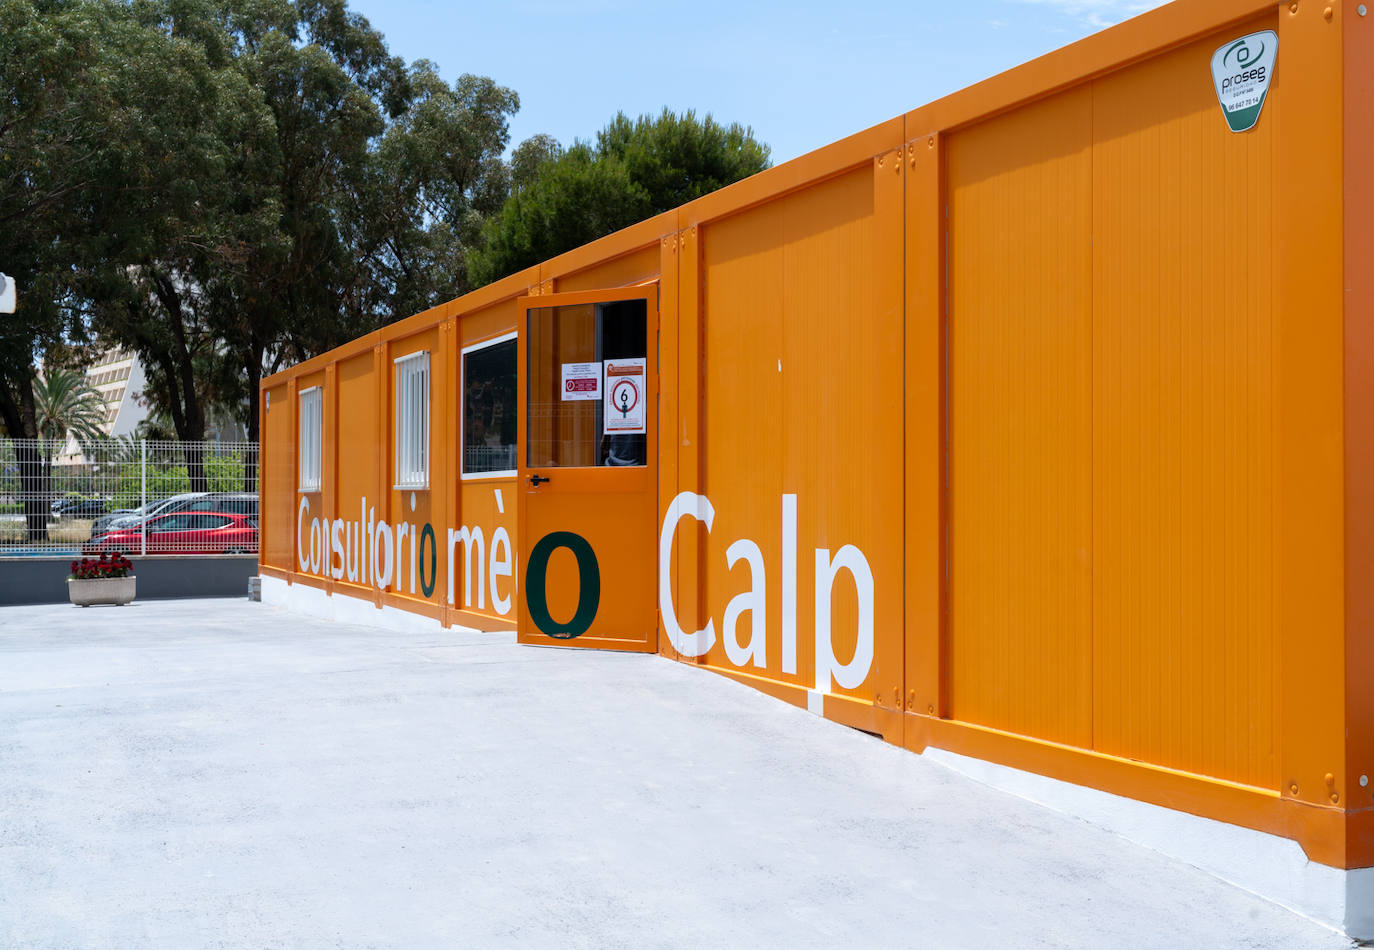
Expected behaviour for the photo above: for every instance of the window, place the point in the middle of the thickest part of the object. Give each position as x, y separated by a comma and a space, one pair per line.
587, 400
311, 451
489, 420
412, 420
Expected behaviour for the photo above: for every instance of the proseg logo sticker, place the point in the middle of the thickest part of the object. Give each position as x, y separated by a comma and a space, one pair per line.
1242, 71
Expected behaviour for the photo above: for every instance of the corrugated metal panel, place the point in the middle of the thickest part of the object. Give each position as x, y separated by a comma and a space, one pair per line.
1183, 425
278, 478
804, 389
357, 440
1020, 383
1111, 400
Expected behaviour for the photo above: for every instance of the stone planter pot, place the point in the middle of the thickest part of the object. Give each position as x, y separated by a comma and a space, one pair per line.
84, 592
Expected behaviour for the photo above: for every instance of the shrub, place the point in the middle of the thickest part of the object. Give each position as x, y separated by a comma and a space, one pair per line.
107, 565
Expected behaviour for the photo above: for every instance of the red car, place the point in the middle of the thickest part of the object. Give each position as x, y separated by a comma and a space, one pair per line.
187, 532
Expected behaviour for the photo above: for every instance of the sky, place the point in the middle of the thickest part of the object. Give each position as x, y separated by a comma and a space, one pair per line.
801, 74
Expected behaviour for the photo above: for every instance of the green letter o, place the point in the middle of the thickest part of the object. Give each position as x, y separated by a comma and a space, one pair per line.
589, 587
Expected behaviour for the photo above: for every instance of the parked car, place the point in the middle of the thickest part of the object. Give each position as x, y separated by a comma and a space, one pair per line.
162, 506
186, 532
233, 503
74, 506
230, 502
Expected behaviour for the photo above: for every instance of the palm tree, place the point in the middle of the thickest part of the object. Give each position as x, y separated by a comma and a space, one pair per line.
65, 404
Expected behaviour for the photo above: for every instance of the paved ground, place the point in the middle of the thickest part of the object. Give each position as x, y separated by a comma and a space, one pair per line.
222, 774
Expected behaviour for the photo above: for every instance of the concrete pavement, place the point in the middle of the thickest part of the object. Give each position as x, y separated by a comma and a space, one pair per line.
218, 773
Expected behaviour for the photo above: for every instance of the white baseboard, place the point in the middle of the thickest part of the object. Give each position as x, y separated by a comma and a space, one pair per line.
1266, 865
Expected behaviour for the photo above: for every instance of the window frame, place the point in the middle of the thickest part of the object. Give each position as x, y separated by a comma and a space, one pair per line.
317, 449
463, 474
416, 478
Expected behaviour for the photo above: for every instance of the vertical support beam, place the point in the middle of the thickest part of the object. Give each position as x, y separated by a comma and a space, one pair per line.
329, 460
668, 375
691, 577
449, 455
264, 529
889, 263
1309, 428
293, 430
381, 374
143, 498
1359, 433
925, 429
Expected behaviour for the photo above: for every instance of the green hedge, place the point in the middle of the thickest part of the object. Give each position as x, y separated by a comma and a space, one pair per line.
222, 473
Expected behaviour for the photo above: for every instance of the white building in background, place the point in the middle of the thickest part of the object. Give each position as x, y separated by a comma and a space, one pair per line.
118, 377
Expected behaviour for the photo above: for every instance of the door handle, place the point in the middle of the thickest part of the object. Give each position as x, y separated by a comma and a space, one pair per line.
537, 480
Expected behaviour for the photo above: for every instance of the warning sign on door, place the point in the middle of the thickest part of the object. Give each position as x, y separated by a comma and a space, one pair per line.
625, 396
581, 381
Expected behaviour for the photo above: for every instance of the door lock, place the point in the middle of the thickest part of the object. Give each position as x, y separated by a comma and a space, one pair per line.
537, 480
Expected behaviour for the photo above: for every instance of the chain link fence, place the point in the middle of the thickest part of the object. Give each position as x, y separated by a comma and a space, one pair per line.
130, 496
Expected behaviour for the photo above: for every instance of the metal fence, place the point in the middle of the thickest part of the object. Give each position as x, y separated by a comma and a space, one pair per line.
131, 496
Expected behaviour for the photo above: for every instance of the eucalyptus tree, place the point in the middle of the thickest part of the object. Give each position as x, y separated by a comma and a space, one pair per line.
378, 176
309, 188
197, 163
66, 71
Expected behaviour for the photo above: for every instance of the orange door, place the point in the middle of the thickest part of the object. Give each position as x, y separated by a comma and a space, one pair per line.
588, 469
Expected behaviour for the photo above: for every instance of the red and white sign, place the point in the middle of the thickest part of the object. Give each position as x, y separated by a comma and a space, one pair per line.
581, 381
625, 397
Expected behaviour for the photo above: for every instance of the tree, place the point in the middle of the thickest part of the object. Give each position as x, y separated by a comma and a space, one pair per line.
529, 157
227, 186
303, 187
636, 169
66, 68
379, 176
196, 161
63, 405
678, 158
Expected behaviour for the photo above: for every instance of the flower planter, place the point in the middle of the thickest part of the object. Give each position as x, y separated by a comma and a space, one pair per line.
101, 590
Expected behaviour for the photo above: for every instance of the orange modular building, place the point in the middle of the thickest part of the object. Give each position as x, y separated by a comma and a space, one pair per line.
1033, 429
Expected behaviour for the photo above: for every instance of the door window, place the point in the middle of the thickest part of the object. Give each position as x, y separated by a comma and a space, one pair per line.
587, 391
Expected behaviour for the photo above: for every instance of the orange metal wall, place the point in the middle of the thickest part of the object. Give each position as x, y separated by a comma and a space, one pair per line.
355, 459
486, 503
277, 460
1021, 443
801, 380
1358, 141
1111, 404
1070, 370
1183, 401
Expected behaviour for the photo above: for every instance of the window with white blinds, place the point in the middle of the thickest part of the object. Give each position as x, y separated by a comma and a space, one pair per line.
311, 449
412, 420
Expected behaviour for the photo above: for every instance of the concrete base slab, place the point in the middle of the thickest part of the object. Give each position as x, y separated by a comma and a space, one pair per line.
1271, 867
229, 774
